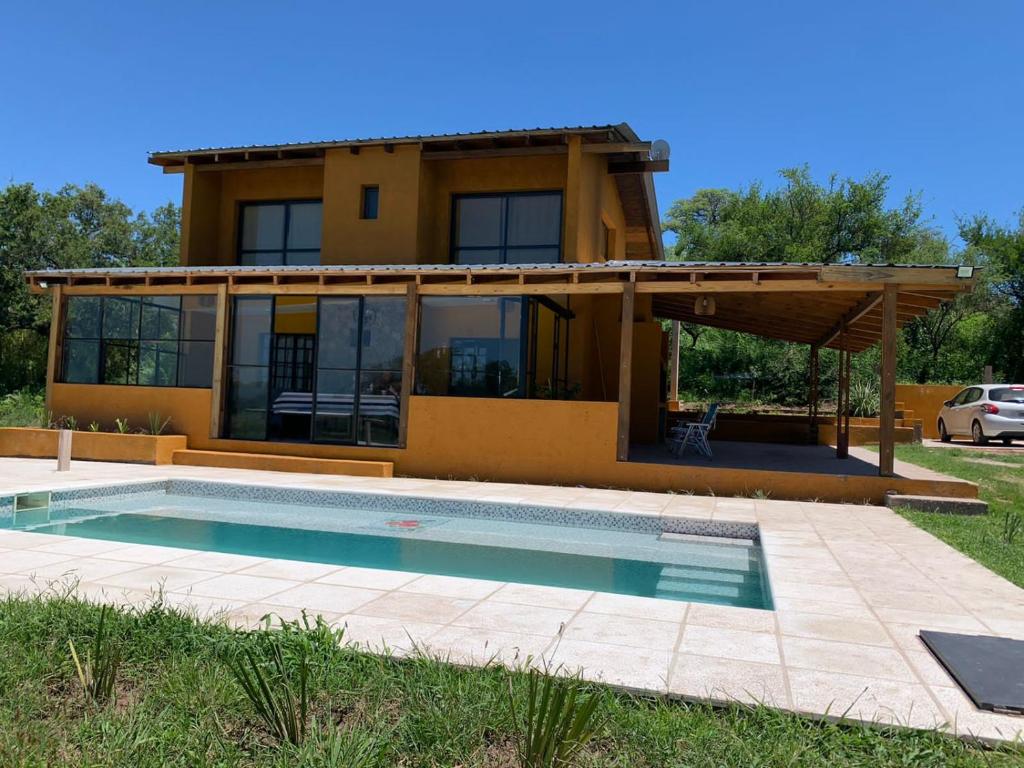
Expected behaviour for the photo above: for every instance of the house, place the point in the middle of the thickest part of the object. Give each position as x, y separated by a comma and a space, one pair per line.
481, 305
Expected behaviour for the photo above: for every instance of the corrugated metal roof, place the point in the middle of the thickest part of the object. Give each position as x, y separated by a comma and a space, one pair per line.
623, 129
607, 265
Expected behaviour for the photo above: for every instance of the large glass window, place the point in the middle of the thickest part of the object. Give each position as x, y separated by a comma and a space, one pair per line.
276, 234
156, 341
327, 370
512, 228
479, 346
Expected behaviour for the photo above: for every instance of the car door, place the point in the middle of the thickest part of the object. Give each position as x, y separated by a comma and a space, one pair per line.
966, 409
952, 413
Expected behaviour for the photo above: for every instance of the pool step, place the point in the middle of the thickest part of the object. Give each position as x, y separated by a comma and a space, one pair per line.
273, 462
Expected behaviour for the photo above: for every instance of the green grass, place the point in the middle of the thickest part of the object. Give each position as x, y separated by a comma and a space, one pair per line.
978, 536
177, 704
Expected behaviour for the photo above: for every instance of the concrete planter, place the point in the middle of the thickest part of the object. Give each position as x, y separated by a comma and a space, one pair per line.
92, 446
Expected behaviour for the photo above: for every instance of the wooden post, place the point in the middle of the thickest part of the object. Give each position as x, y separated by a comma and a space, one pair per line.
53, 351
887, 411
64, 450
812, 405
412, 304
625, 371
220, 359
673, 362
843, 402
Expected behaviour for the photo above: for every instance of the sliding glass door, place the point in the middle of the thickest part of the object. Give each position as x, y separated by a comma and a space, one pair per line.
325, 370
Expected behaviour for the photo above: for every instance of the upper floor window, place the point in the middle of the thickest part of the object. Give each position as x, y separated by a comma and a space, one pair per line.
507, 228
283, 233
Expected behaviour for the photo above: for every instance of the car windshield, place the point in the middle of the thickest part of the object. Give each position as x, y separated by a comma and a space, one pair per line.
1007, 395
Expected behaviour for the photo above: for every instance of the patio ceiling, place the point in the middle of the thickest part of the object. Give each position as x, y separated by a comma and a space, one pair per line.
801, 303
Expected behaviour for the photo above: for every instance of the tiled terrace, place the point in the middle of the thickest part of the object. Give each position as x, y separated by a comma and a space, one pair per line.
853, 585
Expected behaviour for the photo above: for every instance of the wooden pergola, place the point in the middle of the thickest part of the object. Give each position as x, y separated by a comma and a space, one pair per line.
843, 307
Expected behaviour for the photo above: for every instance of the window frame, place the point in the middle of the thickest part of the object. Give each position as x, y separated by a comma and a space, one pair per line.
362, 202
135, 344
284, 250
503, 246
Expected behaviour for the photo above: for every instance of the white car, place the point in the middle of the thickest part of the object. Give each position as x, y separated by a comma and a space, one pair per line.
984, 411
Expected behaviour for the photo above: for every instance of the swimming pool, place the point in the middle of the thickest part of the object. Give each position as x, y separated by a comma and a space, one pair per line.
630, 554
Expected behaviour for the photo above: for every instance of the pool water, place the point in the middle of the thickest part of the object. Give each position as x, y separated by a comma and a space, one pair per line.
626, 562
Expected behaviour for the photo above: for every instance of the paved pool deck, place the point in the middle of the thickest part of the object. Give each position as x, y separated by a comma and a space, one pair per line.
853, 585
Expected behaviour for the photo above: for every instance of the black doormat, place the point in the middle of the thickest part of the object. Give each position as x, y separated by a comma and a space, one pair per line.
989, 669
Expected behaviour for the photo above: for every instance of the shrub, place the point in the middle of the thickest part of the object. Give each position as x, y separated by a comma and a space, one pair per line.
864, 399
98, 673
558, 723
24, 408
279, 695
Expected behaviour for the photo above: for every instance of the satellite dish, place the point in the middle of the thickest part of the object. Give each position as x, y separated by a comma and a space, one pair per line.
660, 150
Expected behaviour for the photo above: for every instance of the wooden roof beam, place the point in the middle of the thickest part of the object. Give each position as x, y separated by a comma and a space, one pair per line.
851, 317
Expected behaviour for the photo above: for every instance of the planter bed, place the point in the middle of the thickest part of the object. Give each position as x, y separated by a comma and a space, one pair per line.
93, 446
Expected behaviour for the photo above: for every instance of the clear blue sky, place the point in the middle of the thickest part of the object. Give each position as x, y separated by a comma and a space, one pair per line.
929, 91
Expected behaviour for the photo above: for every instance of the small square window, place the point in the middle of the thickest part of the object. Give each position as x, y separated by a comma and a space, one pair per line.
370, 203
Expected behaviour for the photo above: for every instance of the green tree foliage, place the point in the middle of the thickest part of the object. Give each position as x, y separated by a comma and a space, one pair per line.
840, 221
74, 227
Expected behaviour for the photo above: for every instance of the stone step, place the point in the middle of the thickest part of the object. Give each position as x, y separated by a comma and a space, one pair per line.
945, 504
274, 462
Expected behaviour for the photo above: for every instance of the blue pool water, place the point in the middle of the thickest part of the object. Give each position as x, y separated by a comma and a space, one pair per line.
630, 562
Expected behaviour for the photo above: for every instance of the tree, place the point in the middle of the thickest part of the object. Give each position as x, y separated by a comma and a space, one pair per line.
844, 220
72, 228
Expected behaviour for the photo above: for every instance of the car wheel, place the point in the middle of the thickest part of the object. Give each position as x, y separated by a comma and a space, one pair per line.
1007, 441
977, 434
944, 436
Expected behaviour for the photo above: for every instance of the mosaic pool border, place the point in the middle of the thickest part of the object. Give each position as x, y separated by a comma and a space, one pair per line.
421, 505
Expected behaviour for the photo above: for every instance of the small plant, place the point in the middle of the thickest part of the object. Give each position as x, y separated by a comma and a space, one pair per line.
94, 426
70, 422
156, 424
558, 723
864, 399
280, 698
334, 748
98, 673
1012, 524
121, 426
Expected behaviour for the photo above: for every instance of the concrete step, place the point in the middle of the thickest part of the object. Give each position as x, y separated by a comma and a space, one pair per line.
273, 462
945, 504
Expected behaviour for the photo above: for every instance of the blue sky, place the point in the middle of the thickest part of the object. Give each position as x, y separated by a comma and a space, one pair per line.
928, 91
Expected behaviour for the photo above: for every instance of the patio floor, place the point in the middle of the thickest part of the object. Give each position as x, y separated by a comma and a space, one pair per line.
852, 584
780, 457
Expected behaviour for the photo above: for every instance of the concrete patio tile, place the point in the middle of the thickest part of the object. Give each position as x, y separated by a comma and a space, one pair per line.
867, 699
380, 634
727, 617
1007, 627
509, 617
27, 560
256, 616
728, 680
965, 718
24, 539
452, 586
930, 620
469, 645
118, 596
409, 606
928, 668
824, 607
83, 568
234, 586
146, 554
809, 591
639, 607
201, 607
813, 625
67, 545
221, 562
761, 647
370, 578
637, 669
316, 596
623, 630
14, 584
546, 597
295, 570
846, 658
156, 578
913, 600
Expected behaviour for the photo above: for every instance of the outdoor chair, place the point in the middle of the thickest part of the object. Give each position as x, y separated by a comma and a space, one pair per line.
694, 434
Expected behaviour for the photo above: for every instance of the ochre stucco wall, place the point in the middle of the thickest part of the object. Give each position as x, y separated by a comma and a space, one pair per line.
926, 400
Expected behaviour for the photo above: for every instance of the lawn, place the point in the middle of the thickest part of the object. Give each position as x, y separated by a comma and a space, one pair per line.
177, 704
1000, 479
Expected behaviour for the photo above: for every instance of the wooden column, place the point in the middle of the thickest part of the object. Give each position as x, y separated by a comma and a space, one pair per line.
887, 411
843, 398
625, 371
53, 350
812, 400
412, 306
673, 362
220, 360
